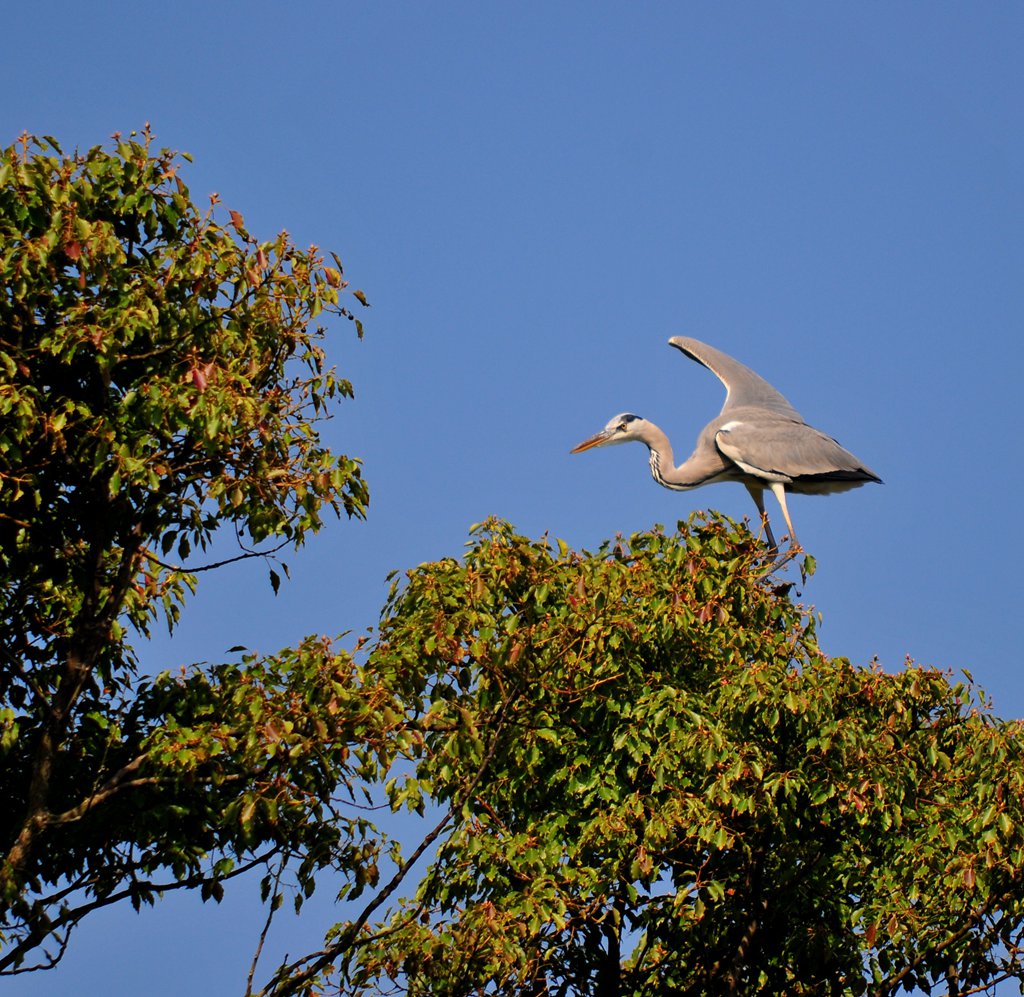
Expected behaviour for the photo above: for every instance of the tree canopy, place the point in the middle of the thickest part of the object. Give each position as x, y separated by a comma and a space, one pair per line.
636, 770
163, 377
659, 783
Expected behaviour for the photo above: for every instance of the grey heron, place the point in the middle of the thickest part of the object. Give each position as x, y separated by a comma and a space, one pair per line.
758, 439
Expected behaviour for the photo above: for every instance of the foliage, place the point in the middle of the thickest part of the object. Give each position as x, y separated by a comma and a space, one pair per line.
163, 377
637, 771
660, 784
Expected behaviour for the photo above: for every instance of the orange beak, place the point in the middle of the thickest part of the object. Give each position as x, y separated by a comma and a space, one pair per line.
594, 441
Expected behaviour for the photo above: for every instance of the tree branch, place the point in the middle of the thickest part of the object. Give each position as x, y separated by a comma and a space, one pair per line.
245, 556
69, 917
283, 983
273, 908
891, 984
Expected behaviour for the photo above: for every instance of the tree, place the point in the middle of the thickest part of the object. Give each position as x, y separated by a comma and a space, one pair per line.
642, 773
163, 379
660, 785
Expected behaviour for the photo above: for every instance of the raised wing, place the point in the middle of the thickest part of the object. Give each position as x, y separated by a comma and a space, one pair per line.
742, 386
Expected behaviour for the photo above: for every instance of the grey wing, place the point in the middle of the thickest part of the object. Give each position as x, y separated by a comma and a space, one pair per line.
791, 452
743, 387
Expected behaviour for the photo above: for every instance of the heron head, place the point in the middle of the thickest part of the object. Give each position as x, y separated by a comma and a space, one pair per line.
621, 429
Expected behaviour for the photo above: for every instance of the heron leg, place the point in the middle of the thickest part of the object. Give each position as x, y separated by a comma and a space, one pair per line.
757, 494
779, 491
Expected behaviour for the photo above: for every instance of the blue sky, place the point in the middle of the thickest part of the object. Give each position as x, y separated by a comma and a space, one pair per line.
535, 197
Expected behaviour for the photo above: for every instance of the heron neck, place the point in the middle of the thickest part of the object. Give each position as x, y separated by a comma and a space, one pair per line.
692, 473
663, 469
664, 473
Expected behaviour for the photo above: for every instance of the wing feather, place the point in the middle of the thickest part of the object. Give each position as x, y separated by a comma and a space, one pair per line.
742, 386
791, 452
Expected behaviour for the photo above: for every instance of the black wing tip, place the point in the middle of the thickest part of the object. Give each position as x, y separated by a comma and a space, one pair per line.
680, 343
860, 474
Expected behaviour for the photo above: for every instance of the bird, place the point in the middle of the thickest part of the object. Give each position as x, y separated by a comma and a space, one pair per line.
758, 439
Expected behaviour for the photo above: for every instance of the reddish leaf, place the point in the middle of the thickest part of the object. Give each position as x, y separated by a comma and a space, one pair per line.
198, 378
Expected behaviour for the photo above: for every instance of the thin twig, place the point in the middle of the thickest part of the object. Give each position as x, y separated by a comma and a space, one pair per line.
273, 907
150, 556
